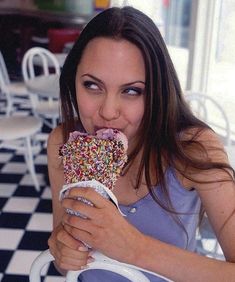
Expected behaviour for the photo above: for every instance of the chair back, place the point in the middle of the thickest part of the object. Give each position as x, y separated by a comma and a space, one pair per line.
5, 91
14, 92
40, 63
3, 69
2, 82
39, 58
131, 272
211, 112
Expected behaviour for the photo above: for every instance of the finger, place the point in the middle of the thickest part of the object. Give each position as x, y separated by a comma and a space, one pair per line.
90, 194
80, 207
66, 239
79, 223
70, 267
71, 261
79, 234
80, 254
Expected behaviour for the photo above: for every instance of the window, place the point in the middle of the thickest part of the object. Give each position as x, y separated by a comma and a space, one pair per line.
172, 17
200, 36
221, 73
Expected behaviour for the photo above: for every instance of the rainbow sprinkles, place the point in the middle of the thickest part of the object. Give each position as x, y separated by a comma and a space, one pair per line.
100, 157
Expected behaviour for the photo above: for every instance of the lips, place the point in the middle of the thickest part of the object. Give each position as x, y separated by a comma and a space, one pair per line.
96, 128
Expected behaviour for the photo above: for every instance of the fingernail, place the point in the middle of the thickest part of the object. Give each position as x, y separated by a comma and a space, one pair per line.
90, 260
90, 254
65, 194
84, 267
83, 249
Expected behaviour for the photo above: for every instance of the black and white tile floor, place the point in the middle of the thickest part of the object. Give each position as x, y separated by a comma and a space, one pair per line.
25, 214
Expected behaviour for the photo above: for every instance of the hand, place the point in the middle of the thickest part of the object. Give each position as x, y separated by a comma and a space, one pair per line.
69, 254
104, 228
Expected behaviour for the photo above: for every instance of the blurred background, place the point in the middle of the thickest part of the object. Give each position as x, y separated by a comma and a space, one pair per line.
200, 35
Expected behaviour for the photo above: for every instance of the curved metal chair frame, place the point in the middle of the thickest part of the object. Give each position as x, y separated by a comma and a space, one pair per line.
34, 57
20, 129
14, 92
203, 105
130, 272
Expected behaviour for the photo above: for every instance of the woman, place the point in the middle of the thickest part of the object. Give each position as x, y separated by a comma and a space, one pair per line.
119, 75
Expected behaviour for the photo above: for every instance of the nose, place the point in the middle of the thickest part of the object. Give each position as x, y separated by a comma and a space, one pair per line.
110, 108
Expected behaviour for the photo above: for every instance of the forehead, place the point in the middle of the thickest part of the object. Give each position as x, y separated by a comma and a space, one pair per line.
111, 54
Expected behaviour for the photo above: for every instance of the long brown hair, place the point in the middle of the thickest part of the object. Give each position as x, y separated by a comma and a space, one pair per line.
166, 114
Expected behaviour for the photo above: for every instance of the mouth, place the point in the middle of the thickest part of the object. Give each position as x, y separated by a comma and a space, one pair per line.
96, 128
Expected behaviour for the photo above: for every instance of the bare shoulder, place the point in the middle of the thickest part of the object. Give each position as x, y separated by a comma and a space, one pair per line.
201, 134
55, 137
216, 188
213, 148
205, 147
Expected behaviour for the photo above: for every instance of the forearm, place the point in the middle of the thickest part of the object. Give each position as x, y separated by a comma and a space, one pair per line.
181, 265
130, 246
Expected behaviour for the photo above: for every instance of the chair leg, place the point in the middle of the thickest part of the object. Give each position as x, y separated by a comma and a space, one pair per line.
48, 123
30, 163
54, 122
9, 107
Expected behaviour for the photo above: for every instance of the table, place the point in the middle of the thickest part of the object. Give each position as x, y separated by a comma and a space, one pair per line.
44, 86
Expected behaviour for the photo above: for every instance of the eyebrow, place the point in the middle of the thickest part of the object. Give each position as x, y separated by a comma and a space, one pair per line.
100, 81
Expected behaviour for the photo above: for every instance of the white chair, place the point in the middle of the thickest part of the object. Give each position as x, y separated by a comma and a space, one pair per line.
130, 272
207, 243
41, 58
211, 112
16, 133
14, 92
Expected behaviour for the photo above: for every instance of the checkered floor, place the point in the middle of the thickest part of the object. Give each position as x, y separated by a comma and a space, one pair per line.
25, 214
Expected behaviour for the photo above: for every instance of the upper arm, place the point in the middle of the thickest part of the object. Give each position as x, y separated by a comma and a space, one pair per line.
55, 170
218, 195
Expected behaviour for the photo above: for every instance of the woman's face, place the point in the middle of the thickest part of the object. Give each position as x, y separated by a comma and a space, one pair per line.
110, 86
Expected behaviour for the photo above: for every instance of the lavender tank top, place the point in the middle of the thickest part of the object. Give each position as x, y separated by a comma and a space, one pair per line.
147, 216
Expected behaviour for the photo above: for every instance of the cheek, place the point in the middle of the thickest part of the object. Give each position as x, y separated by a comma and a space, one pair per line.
82, 100
87, 107
134, 116
135, 113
